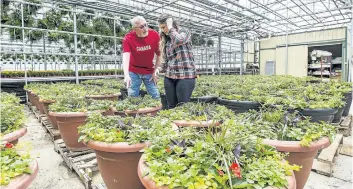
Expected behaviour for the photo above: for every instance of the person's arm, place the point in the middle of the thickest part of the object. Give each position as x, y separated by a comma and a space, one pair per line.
126, 61
177, 38
158, 59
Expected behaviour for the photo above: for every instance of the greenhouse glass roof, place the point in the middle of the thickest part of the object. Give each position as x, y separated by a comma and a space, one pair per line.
234, 18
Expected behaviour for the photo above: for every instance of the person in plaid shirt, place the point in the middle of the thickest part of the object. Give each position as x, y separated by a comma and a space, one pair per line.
176, 52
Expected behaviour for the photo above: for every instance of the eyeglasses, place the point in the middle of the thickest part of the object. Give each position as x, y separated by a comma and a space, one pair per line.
142, 26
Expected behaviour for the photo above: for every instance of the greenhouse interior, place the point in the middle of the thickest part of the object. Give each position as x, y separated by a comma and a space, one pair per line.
194, 94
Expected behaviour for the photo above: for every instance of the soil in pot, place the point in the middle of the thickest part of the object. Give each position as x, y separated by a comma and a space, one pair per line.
348, 98
318, 115
239, 106
117, 163
299, 155
68, 122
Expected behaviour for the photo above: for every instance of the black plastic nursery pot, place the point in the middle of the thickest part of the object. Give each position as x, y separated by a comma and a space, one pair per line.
338, 115
205, 99
239, 106
124, 93
320, 114
348, 98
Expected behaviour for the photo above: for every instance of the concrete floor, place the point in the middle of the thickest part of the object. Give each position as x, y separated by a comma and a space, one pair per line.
53, 173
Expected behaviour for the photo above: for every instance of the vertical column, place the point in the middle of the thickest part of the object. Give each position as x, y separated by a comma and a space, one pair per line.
24, 49
241, 55
350, 66
207, 59
45, 53
75, 44
116, 73
286, 67
219, 54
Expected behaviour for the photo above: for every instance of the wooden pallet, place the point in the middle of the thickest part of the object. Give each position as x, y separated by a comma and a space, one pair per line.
345, 126
99, 186
82, 162
323, 164
52, 133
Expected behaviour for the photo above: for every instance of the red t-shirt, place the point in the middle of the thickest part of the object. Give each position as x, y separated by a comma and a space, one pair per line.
141, 51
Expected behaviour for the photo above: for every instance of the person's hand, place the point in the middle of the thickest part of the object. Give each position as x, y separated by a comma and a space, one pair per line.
127, 80
155, 77
169, 23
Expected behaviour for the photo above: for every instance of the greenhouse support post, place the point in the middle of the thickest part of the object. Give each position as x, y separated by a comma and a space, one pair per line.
350, 66
23, 41
219, 54
241, 55
286, 61
75, 44
116, 73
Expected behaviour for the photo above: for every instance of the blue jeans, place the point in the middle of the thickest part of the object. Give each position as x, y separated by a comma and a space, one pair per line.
178, 91
136, 81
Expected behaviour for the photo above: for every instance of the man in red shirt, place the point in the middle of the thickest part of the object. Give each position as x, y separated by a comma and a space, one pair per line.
139, 47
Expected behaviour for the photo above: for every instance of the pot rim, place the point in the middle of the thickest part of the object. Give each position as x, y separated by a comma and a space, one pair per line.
68, 114
10, 137
294, 146
24, 180
185, 123
118, 147
102, 95
245, 101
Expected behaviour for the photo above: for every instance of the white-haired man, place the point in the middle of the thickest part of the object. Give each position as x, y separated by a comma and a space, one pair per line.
139, 47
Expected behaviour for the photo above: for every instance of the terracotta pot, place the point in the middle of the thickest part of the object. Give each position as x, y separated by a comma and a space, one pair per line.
68, 122
113, 97
117, 163
30, 96
24, 180
52, 119
39, 105
299, 155
15, 135
112, 111
150, 184
151, 111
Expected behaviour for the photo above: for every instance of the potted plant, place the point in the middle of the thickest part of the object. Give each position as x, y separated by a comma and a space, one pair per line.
197, 114
192, 158
12, 118
117, 142
102, 93
133, 106
290, 132
18, 170
71, 112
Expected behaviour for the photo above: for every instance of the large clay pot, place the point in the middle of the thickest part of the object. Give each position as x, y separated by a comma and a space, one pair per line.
24, 180
299, 155
14, 136
112, 97
38, 105
319, 114
52, 119
150, 184
239, 106
30, 96
117, 163
68, 122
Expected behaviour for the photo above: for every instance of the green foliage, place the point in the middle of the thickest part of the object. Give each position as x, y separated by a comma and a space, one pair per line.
191, 158
13, 163
135, 103
280, 124
76, 103
198, 112
10, 74
122, 129
12, 113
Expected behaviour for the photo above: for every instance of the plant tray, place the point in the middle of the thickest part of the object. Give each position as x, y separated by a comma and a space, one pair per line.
82, 162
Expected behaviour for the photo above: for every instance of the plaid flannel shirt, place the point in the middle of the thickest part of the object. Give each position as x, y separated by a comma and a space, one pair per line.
179, 57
